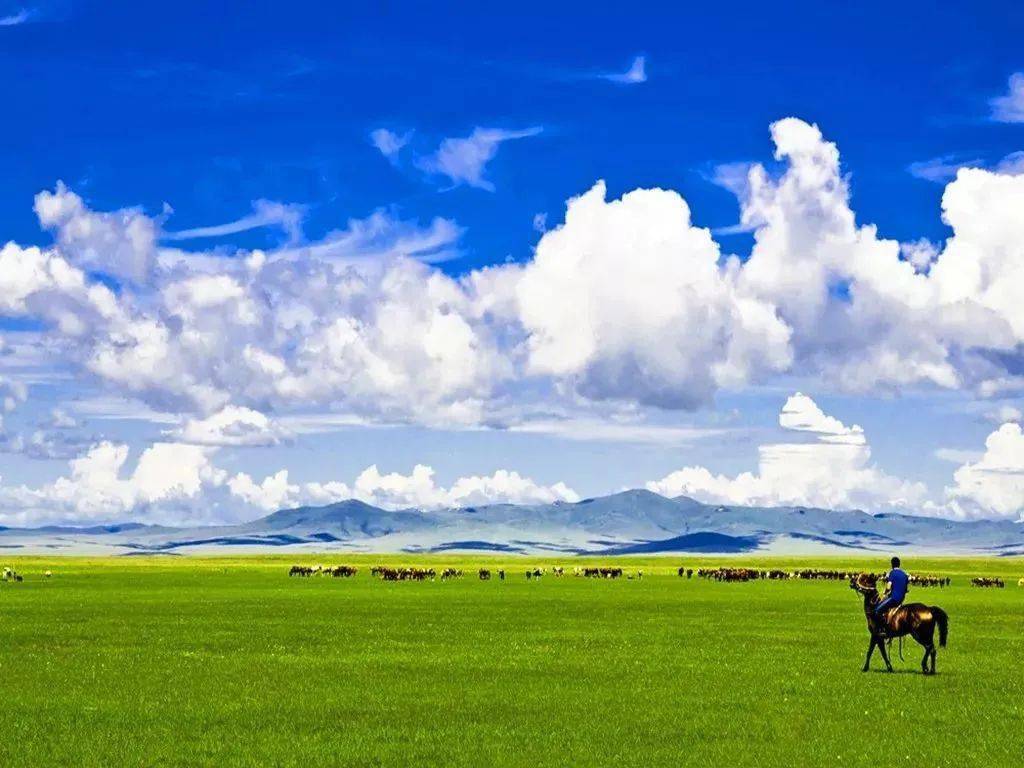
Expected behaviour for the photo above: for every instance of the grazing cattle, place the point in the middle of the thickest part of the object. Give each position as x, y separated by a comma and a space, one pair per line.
986, 581
501, 574
930, 581
386, 573
1020, 583
602, 573
451, 573
485, 575
48, 574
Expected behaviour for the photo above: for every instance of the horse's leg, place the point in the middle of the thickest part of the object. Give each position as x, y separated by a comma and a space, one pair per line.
871, 649
885, 656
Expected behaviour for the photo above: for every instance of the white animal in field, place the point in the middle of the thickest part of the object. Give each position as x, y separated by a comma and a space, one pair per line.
48, 574
1020, 583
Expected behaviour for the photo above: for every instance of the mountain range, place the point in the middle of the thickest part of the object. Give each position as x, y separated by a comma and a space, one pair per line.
630, 522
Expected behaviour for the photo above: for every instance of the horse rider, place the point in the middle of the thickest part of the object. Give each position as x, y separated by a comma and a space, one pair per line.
898, 581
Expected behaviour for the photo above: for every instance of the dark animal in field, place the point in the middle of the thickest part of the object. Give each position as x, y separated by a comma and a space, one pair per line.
915, 619
451, 573
985, 581
501, 574
602, 573
342, 571
485, 575
387, 573
930, 581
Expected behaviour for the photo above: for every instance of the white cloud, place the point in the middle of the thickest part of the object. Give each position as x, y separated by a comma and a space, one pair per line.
940, 170
957, 455
1005, 413
1009, 108
121, 243
418, 489
170, 481
628, 300
637, 73
992, 486
389, 143
21, 16
464, 161
232, 425
178, 484
381, 236
1012, 164
265, 213
834, 471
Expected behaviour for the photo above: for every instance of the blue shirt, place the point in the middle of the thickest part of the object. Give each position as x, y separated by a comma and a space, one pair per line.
898, 580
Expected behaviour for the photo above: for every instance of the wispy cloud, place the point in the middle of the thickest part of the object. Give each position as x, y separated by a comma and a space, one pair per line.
939, 170
1010, 108
637, 73
265, 213
464, 160
22, 16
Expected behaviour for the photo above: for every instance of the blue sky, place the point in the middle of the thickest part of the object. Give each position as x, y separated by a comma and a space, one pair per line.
255, 122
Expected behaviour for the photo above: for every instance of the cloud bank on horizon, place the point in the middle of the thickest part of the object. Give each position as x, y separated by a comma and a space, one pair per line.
626, 302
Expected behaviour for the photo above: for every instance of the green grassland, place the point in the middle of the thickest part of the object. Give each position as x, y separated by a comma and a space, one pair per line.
228, 661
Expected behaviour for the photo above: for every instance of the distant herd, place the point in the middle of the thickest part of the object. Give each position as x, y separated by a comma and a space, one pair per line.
724, 574
751, 574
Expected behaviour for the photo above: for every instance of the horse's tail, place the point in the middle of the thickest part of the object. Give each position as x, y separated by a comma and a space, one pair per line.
943, 621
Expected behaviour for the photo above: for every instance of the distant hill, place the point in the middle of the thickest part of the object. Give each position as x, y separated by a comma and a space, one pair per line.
636, 521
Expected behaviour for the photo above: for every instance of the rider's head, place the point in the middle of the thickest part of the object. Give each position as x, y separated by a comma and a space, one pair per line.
895, 562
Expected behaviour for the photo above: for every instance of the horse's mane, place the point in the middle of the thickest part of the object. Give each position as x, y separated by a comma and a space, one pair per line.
867, 583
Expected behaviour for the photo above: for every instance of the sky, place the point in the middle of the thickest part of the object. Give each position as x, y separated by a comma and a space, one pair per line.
425, 254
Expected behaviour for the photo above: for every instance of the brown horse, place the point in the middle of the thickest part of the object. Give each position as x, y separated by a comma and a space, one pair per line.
915, 619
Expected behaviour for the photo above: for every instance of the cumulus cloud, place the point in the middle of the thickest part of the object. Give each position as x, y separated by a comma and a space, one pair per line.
464, 160
169, 480
833, 471
121, 243
179, 483
627, 299
992, 486
232, 425
1009, 108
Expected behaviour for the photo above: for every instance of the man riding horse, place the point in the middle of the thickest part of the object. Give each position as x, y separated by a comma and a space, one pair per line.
898, 582
887, 618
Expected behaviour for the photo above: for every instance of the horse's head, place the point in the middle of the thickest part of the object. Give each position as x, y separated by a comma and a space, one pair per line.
863, 583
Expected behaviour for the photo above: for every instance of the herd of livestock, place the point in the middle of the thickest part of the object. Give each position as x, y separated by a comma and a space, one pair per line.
723, 574
775, 574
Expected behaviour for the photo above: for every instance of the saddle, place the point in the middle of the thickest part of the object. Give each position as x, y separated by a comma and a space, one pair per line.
887, 617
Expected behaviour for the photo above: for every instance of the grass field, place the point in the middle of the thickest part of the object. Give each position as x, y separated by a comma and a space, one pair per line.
222, 661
